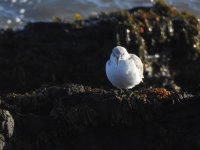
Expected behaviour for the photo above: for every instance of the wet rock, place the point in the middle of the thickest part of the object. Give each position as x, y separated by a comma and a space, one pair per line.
7, 126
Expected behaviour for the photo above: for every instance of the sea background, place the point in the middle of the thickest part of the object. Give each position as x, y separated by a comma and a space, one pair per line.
16, 13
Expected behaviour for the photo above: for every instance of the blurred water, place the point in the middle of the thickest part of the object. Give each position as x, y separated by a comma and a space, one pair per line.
17, 12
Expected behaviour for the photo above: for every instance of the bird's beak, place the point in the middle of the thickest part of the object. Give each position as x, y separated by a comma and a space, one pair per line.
118, 60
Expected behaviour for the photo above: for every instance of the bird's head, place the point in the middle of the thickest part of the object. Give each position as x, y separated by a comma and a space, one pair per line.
119, 53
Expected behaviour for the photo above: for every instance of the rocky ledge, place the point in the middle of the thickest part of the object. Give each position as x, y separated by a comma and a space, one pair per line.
80, 117
39, 111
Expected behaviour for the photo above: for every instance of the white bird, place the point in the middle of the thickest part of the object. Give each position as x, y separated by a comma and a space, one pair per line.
124, 70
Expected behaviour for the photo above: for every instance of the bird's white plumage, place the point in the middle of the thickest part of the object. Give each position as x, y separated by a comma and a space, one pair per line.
124, 70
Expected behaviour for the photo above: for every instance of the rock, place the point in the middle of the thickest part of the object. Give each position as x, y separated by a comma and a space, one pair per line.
62, 117
7, 126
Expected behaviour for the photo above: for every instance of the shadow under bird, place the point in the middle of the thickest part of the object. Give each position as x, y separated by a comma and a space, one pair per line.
124, 70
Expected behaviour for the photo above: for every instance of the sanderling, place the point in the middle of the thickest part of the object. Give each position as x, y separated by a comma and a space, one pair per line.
124, 70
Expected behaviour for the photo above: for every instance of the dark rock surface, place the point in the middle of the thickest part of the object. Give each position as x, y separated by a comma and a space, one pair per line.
80, 117
157, 114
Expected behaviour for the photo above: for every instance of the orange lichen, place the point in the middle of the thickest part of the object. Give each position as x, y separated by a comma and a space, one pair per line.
141, 29
161, 92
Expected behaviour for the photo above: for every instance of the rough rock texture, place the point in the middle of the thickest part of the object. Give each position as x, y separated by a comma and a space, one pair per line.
80, 117
157, 114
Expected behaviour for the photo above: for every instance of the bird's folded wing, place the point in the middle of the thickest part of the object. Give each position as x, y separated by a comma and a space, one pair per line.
138, 64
